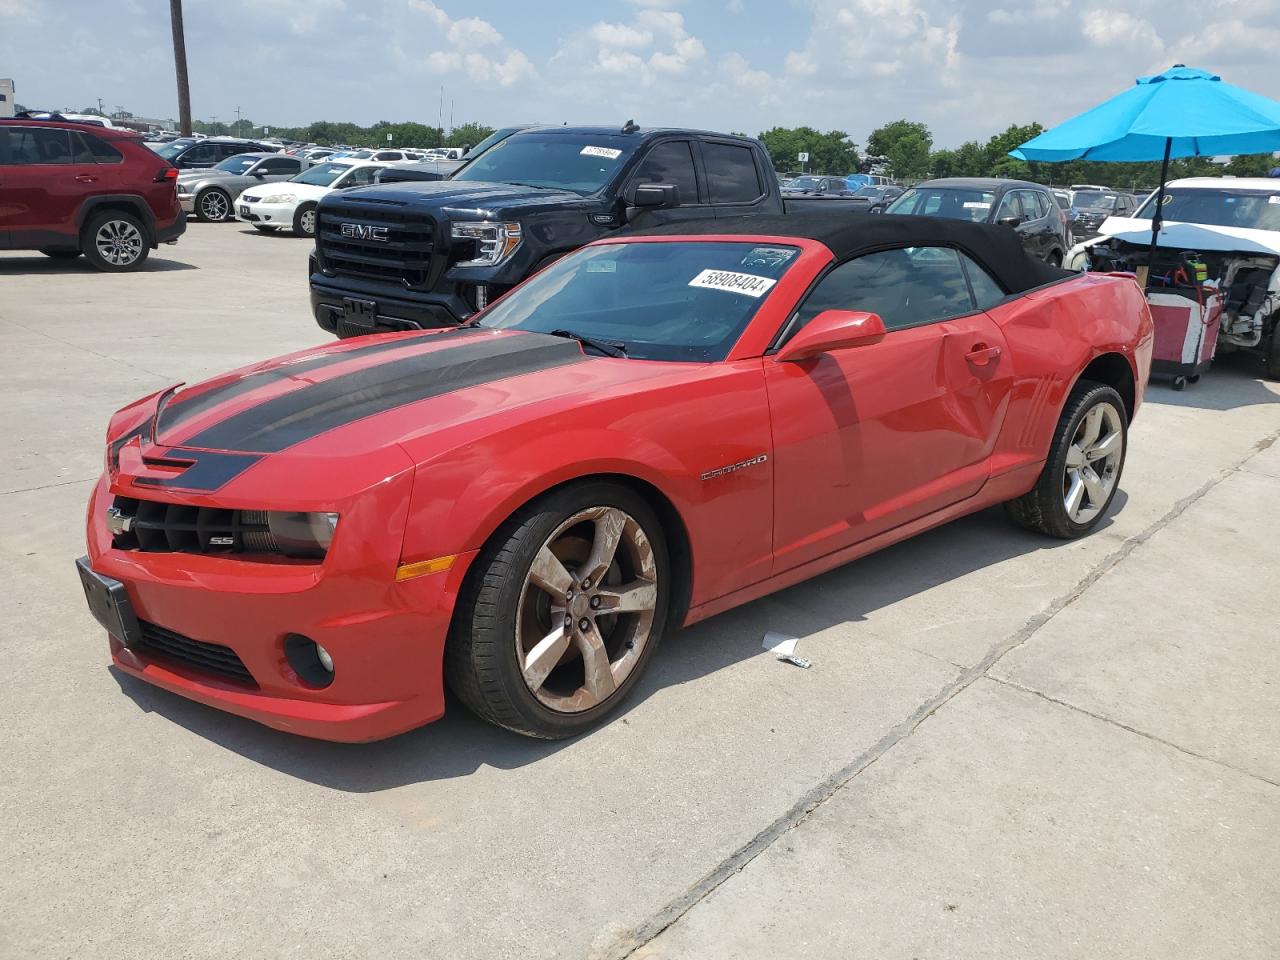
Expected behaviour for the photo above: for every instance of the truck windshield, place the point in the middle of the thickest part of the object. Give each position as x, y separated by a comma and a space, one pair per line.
1251, 209
669, 300
556, 161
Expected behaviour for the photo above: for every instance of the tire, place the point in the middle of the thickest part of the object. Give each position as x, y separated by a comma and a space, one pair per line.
503, 616
1045, 508
115, 241
213, 205
304, 220
61, 254
1273, 353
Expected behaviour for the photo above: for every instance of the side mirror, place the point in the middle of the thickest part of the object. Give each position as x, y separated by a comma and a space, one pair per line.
258, 172
832, 330
1010, 221
655, 195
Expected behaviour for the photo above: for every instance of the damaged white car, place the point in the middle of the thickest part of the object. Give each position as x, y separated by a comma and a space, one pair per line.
1233, 224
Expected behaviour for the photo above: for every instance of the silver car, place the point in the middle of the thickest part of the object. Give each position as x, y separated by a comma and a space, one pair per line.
210, 194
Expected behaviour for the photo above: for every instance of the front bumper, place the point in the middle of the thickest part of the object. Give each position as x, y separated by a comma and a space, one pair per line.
386, 637
188, 202
266, 214
390, 312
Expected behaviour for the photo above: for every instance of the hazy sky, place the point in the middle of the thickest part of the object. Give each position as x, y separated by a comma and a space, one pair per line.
967, 69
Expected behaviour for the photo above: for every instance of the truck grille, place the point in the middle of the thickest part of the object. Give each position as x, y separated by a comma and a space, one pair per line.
206, 657
156, 527
380, 242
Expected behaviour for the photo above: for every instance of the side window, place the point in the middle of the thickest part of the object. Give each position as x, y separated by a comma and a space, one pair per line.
1034, 199
102, 151
281, 165
906, 287
359, 177
1009, 207
231, 150
731, 173
986, 292
34, 145
670, 162
202, 153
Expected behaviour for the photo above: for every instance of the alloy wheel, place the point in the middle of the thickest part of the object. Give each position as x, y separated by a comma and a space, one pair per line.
118, 242
213, 205
308, 222
586, 610
1093, 463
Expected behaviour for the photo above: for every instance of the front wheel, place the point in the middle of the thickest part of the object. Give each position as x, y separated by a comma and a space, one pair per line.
562, 612
304, 220
1082, 473
213, 206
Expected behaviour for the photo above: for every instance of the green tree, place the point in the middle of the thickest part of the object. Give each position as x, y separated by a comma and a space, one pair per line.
906, 145
830, 152
1252, 165
467, 135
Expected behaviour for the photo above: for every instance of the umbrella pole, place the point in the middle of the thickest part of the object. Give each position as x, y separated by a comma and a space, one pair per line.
1157, 218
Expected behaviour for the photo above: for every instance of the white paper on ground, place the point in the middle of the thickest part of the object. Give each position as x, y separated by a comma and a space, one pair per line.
783, 647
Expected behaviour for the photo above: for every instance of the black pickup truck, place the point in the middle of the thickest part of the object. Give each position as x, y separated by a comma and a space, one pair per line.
429, 254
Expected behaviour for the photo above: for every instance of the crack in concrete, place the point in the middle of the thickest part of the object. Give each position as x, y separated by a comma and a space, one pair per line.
76, 346
1134, 730
627, 945
46, 486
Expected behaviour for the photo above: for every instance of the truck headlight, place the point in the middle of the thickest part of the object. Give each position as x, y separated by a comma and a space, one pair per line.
494, 241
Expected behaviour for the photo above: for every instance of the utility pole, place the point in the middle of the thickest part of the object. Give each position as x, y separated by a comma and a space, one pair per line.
238, 122
180, 66
100, 110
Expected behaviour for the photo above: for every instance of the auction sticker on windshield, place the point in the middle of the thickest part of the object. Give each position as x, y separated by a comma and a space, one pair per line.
745, 283
607, 152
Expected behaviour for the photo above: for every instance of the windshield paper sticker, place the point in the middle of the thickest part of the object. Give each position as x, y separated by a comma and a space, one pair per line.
607, 152
602, 266
745, 283
976, 205
1273, 199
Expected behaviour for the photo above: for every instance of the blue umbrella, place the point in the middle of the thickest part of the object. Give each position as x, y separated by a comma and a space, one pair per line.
1182, 112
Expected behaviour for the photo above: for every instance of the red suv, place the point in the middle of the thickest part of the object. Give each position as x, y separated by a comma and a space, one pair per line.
68, 189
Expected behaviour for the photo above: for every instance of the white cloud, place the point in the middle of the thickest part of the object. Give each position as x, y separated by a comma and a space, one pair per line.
620, 35
467, 34
1115, 28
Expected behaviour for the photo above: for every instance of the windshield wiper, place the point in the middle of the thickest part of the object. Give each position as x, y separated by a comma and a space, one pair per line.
610, 348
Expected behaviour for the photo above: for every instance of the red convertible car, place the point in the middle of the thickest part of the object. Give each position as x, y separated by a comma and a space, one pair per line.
652, 430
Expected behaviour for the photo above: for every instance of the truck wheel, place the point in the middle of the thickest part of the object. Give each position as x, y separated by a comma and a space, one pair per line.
61, 254
1273, 354
1082, 473
213, 206
562, 612
304, 220
115, 241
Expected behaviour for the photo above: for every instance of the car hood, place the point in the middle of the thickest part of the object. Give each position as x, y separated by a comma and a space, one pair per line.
308, 191
337, 420
470, 196
1193, 236
205, 173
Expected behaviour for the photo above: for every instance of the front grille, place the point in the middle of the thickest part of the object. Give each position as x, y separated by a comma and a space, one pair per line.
206, 657
402, 254
177, 528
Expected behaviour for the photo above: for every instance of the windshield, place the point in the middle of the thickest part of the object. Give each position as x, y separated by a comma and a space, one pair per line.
581, 165
237, 164
360, 154
804, 183
171, 150
322, 174
954, 203
686, 301
496, 137
868, 192
1091, 200
1250, 210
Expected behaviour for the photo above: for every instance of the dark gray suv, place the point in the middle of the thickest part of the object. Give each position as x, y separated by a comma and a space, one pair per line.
1028, 208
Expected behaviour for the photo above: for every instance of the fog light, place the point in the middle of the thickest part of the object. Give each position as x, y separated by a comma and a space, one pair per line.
310, 661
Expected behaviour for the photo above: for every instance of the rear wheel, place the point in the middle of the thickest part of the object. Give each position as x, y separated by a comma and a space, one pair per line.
304, 220
115, 241
61, 254
1082, 473
213, 206
562, 612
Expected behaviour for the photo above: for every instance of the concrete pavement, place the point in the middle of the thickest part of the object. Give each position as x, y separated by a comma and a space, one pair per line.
1007, 746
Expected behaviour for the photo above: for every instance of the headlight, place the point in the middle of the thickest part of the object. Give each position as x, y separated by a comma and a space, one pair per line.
494, 241
280, 198
302, 534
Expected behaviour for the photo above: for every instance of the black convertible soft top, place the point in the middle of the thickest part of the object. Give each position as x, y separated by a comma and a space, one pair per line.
850, 234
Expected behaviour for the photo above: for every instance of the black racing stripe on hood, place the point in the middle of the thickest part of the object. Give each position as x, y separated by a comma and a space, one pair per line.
209, 470
180, 409
302, 414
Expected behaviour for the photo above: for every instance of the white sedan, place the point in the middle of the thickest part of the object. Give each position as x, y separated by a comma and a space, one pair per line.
291, 204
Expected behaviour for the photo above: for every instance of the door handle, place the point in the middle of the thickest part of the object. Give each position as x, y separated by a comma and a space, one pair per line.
86, 178
981, 354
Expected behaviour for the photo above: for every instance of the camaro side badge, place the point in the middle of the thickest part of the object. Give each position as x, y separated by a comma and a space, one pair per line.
733, 467
364, 231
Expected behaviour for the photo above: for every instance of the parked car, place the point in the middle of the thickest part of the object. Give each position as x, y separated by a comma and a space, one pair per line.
68, 189
1233, 226
876, 199
322, 542
1028, 208
410, 255
211, 194
815, 186
291, 205
208, 152
1090, 207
